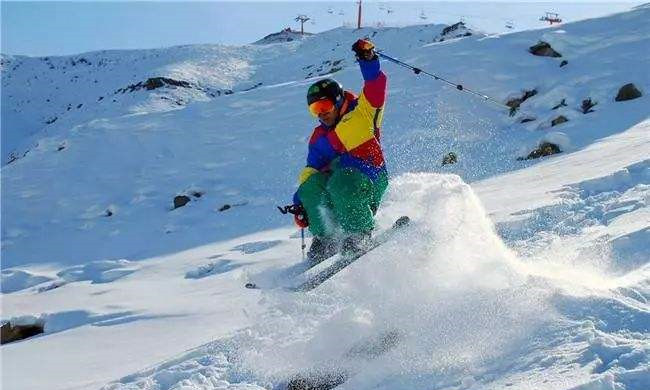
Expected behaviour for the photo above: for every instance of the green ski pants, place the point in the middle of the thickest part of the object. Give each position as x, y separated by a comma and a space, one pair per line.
346, 198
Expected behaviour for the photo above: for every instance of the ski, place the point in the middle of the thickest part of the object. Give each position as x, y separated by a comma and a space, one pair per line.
343, 261
313, 276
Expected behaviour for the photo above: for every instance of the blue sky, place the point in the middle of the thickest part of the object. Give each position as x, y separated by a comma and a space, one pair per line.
60, 28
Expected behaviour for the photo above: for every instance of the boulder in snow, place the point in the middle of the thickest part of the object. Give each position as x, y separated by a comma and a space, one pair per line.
456, 30
559, 120
14, 332
516, 102
544, 149
181, 200
628, 92
543, 49
587, 105
449, 158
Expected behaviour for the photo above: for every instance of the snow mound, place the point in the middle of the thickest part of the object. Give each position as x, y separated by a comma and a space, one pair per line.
103, 271
15, 280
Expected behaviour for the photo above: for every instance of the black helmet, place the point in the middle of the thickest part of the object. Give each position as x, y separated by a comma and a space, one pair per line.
325, 89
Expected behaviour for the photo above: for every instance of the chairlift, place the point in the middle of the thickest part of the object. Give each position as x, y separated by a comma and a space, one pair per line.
341, 12
423, 16
510, 24
551, 17
330, 10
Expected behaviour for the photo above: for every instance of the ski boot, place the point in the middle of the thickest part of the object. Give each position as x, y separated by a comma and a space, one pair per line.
355, 244
321, 248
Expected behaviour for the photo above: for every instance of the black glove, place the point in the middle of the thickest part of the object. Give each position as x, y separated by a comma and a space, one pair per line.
364, 50
299, 214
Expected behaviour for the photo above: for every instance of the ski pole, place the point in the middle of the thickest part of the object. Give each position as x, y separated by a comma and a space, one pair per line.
459, 87
303, 246
297, 210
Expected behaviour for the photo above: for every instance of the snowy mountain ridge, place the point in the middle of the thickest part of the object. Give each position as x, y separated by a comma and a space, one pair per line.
534, 275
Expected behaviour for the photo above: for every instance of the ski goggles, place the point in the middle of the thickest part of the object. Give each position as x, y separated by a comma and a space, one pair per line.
319, 107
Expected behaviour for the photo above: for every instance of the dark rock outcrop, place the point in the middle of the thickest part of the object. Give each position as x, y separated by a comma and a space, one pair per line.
449, 158
157, 82
559, 120
544, 149
181, 200
516, 102
10, 332
628, 92
154, 83
543, 49
587, 105
456, 30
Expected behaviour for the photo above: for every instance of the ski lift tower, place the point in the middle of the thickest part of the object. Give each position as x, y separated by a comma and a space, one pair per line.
359, 16
302, 19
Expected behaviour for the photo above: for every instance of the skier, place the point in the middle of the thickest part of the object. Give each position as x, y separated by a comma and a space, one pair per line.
345, 178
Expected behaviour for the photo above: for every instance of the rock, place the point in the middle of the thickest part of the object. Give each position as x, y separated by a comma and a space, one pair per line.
563, 63
197, 194
456, 30
157, 82
544, 149
543, 49
516, 102
587, 106
562, 104
10, 333
449, 158
526, 120
628, 92
181, 200
225, 207
559, 120
153, 83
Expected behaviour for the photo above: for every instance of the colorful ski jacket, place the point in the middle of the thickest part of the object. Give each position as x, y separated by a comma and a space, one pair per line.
355, 138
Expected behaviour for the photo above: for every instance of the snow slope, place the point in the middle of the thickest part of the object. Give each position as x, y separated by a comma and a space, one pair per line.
535, 276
